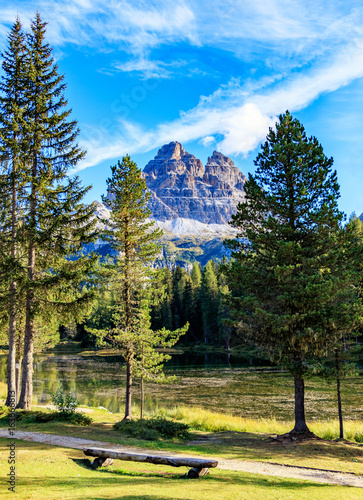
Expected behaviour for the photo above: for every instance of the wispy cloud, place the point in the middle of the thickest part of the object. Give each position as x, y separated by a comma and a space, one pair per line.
236, 117
135, 25
150, 69
306, 49
294, 32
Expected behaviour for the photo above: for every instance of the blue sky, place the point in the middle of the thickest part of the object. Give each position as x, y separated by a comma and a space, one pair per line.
209, 74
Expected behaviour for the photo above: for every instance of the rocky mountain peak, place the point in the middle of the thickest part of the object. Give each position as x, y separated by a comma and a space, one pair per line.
172, 151
171, 160
221, 169
180, 187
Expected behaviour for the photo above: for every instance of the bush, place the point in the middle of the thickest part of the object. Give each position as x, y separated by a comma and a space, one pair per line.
25, 415
79, 419
41, 417
149, 434
153, 429
64, 403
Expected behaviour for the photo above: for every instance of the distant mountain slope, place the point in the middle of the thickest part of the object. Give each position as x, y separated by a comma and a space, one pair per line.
184, 241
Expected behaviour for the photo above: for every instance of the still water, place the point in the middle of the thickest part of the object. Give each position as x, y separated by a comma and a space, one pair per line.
243, 387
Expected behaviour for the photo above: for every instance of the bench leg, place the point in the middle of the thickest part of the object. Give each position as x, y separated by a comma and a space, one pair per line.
197, 472
101, 462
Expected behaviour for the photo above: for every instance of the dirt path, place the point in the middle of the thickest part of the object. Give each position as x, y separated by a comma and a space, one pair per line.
320, 476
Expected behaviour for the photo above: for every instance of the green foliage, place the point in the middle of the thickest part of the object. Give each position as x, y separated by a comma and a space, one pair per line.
289, 282
78, 418
31, 416
195, 296
65, 403
43, 222
130, 278
153, 429
210, 302
294, 276
4, 410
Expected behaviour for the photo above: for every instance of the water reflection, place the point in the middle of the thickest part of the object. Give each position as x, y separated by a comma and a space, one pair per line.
212, 381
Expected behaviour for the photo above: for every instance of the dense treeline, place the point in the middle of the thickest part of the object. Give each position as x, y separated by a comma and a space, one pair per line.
196, 296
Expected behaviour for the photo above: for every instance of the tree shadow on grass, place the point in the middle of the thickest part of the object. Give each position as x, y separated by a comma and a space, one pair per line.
249, 446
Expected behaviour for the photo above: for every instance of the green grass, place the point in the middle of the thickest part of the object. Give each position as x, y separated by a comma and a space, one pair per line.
234, 444
205, 420
59, 474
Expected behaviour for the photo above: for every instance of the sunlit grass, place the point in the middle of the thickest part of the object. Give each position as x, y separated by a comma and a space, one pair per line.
53, 472
208, 421
353, 429
3, 390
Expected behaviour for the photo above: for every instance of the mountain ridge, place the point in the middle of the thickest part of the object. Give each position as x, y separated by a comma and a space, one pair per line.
191, 203
181, 187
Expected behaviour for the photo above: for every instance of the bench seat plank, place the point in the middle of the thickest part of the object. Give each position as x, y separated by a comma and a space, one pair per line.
153, 459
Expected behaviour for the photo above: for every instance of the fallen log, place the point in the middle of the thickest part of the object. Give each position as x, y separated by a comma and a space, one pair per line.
199, 466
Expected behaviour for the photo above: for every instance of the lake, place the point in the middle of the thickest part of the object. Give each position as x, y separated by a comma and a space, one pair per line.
238, 386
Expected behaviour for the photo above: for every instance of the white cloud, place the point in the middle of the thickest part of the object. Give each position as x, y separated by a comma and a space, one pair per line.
208, 140
150, 69
240, 114
309, 48
294, 32
134, 25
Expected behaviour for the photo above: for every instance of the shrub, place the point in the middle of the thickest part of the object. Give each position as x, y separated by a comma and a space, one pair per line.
149, 434
153, 429
79, 418
41, 417
64, 403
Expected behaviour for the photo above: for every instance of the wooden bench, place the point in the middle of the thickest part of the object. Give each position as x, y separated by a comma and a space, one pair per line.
200, 466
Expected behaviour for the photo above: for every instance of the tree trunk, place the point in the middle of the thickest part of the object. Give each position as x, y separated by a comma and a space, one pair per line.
206, 336
128, 415
142, 397
25, 400
18, 375
12, 313
12, 392
340, 413
300, 422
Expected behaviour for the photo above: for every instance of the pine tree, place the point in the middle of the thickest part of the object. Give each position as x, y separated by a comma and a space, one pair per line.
12, 106
55, 222
339, 363
161, 310
133, 236
286, 280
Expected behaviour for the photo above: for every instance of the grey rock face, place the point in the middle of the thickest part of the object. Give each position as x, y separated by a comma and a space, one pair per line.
181, 187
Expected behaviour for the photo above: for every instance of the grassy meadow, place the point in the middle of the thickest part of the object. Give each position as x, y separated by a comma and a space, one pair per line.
59, 473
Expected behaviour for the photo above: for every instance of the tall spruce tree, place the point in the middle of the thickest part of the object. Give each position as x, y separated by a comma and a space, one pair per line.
55, 223
286, 279
12, 107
